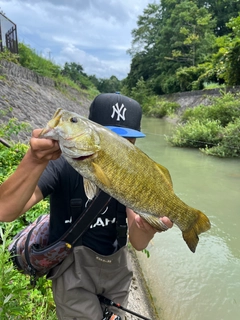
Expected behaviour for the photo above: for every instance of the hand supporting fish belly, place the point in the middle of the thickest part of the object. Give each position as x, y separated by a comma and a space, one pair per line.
109, 162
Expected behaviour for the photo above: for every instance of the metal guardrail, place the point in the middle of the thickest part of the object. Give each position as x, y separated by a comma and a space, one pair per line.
5, 143
8, 34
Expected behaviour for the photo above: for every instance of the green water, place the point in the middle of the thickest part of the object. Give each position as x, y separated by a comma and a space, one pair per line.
204, 285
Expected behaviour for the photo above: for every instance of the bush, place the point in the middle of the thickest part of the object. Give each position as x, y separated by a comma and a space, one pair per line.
196, 134
7, 55
230, 142
10, 158
11, 128
31, 60
224, 109
189, 75
163, 108
141, 93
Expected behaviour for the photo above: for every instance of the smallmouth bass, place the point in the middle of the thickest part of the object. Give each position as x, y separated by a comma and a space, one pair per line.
114, 165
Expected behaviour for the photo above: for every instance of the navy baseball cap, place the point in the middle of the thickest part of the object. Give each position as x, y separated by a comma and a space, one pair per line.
118, 113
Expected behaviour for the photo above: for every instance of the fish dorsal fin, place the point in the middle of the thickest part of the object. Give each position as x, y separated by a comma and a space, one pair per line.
166, 174
90, 188
100, 175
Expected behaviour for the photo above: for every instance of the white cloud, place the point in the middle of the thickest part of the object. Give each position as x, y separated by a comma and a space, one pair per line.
93, 33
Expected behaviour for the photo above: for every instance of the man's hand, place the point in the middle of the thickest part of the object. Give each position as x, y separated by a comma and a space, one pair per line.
140, 231
42, 149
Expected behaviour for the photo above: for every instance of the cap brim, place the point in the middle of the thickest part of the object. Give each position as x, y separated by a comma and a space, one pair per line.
126, 132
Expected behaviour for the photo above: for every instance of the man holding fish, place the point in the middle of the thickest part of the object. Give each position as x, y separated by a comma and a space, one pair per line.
99, 265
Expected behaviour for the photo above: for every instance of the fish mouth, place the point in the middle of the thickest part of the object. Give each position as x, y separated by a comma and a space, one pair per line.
84, 157
73, 137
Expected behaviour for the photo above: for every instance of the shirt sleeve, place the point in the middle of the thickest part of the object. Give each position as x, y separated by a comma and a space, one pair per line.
49, 180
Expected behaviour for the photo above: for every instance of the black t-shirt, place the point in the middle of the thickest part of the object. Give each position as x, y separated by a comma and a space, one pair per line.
63, 183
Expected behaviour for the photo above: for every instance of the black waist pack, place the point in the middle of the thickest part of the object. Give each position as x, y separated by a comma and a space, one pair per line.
30, 251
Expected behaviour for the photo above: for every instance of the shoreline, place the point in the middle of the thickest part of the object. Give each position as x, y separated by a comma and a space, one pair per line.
140, 298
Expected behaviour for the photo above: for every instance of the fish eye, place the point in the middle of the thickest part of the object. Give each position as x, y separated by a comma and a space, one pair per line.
74, 120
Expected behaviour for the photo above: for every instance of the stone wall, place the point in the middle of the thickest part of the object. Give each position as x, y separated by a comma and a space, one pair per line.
191, 99
33, 98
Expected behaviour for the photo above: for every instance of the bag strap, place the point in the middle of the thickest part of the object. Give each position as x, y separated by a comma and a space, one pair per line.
121, 225
81, 224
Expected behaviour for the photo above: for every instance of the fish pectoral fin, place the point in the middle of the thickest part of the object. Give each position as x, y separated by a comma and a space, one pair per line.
100, 175
90, 188
154, 221
202, 224
166, 173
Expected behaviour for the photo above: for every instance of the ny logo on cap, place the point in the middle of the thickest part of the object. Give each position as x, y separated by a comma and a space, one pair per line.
120, 112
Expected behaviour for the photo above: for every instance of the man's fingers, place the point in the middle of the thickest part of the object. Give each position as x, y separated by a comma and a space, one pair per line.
167, 222
44, 149
36, 133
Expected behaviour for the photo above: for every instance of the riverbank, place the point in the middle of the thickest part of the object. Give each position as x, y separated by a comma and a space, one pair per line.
140, 299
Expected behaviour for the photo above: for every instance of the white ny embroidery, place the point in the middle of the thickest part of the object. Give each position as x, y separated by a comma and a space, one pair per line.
119, 111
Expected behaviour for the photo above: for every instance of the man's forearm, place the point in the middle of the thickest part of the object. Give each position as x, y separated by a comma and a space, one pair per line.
138, 237
16, 191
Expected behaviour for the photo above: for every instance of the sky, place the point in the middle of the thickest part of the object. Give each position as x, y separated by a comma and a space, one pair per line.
93, 33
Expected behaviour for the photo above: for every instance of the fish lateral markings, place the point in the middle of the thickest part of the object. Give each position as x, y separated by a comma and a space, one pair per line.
122, 170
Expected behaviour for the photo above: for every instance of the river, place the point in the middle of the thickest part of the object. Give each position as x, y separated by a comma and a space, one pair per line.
204, 285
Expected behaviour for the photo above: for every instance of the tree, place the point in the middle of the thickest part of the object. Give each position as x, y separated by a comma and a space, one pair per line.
227, 59
145, 37
73, 71
170, 35
222, 11
94, 80
107, 85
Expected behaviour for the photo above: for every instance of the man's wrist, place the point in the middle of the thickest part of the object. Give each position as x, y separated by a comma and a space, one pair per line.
32, 159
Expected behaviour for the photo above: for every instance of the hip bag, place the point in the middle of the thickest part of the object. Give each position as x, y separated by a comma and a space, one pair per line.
30, 251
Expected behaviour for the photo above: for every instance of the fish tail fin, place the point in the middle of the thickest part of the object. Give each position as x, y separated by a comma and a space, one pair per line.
202, 224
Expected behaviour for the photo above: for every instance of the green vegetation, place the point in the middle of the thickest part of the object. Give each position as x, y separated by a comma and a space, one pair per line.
182, 45
224, 109
28, 58
163, 108
215, 129
12, 127
7, 55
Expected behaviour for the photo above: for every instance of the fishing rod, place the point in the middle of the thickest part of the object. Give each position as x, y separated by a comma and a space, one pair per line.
111, 303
